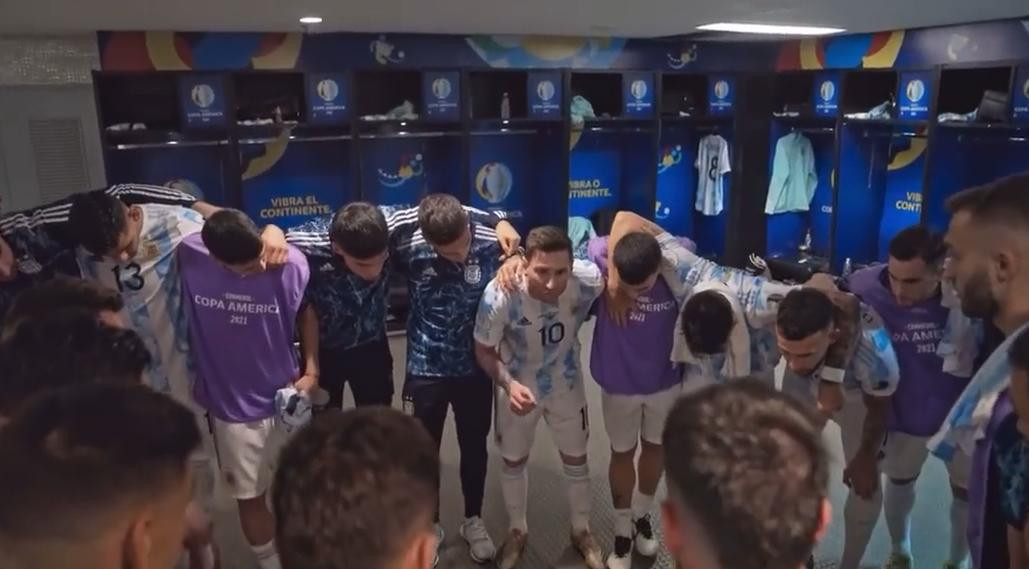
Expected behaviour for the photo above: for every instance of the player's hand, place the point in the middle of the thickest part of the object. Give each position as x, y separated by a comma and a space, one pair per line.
618, 302
8, 268
830, 397
306, 384
276, 250
862, 474
507, 237
510, 274
521, 397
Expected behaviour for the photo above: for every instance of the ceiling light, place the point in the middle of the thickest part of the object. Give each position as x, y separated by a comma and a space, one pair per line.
311, 20
774, 29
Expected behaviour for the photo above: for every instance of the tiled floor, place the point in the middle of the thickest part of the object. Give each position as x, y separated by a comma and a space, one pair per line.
548, 515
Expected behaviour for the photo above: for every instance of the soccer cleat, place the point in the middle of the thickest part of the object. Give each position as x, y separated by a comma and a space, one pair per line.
512, 550
646, 544
898, 561
440, 536
587, 546
480, 546
621, 557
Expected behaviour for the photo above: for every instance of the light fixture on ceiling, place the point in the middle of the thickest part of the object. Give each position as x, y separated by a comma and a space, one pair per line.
311, 20
770, 29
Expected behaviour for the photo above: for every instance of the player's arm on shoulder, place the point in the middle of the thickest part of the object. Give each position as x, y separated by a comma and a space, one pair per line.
312, 237
875, 361
591, 280
8, 268
307, 324
135, 194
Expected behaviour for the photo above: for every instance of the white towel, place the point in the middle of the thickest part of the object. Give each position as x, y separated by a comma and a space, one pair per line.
737, 357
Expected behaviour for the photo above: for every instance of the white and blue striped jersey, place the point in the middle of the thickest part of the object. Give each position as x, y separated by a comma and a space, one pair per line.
538, 341
150, 285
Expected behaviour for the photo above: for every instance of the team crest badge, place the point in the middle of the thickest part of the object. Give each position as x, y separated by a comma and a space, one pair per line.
472, 274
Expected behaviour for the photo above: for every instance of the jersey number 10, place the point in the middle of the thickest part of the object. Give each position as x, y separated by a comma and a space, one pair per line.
552, 334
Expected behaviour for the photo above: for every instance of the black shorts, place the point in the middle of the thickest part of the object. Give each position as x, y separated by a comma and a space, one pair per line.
368, 369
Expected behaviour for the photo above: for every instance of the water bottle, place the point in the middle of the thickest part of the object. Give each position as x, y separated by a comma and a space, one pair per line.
848, 268
505, 107
806, 246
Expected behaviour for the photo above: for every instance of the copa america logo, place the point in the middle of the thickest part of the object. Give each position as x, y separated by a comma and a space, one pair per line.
328, 90
441, 88
915, 90
202, 95
638, 89
828, 90
722, 89
545, 90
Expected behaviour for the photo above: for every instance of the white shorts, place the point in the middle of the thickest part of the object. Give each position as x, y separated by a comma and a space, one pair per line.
248, 454
905, 455
629, 418
565, 414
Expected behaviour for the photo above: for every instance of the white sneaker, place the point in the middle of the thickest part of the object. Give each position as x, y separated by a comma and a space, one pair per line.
646, 543
440, 536
621, 557
480, 546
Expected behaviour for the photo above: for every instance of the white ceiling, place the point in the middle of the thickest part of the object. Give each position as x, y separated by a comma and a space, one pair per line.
633, 18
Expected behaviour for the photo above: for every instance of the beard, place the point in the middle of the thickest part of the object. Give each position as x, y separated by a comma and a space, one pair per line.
977, 300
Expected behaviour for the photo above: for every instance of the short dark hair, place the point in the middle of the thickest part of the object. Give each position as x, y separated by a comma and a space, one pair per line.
71, 458
67, 348
707, 321
1018, 354
637, 256
547, 239
803, 312
97, 220
748, 463
442, 219
60, 294
360, 230
918, 242
352, 488
232, 237
1000, 201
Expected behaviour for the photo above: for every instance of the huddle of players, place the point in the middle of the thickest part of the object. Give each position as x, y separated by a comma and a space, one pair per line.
525, 334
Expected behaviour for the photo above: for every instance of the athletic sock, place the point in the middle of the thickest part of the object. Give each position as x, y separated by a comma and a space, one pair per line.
641, 504
899, 500
515, 486
859, 518
623, 523
578, 479
958, 531
267, 556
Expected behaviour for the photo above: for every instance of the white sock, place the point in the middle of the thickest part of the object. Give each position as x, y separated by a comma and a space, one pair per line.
958, 531
267, 556
641, 504
515, 485
578, 479
859, 518
623, 523
898, 501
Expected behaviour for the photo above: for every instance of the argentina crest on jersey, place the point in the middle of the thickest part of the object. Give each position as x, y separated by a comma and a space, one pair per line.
472, 274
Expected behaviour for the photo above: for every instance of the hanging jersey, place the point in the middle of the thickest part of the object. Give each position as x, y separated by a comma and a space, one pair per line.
538, 341
712, 166
150, 286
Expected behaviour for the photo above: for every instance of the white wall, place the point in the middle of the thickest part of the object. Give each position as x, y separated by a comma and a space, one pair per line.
49, 140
